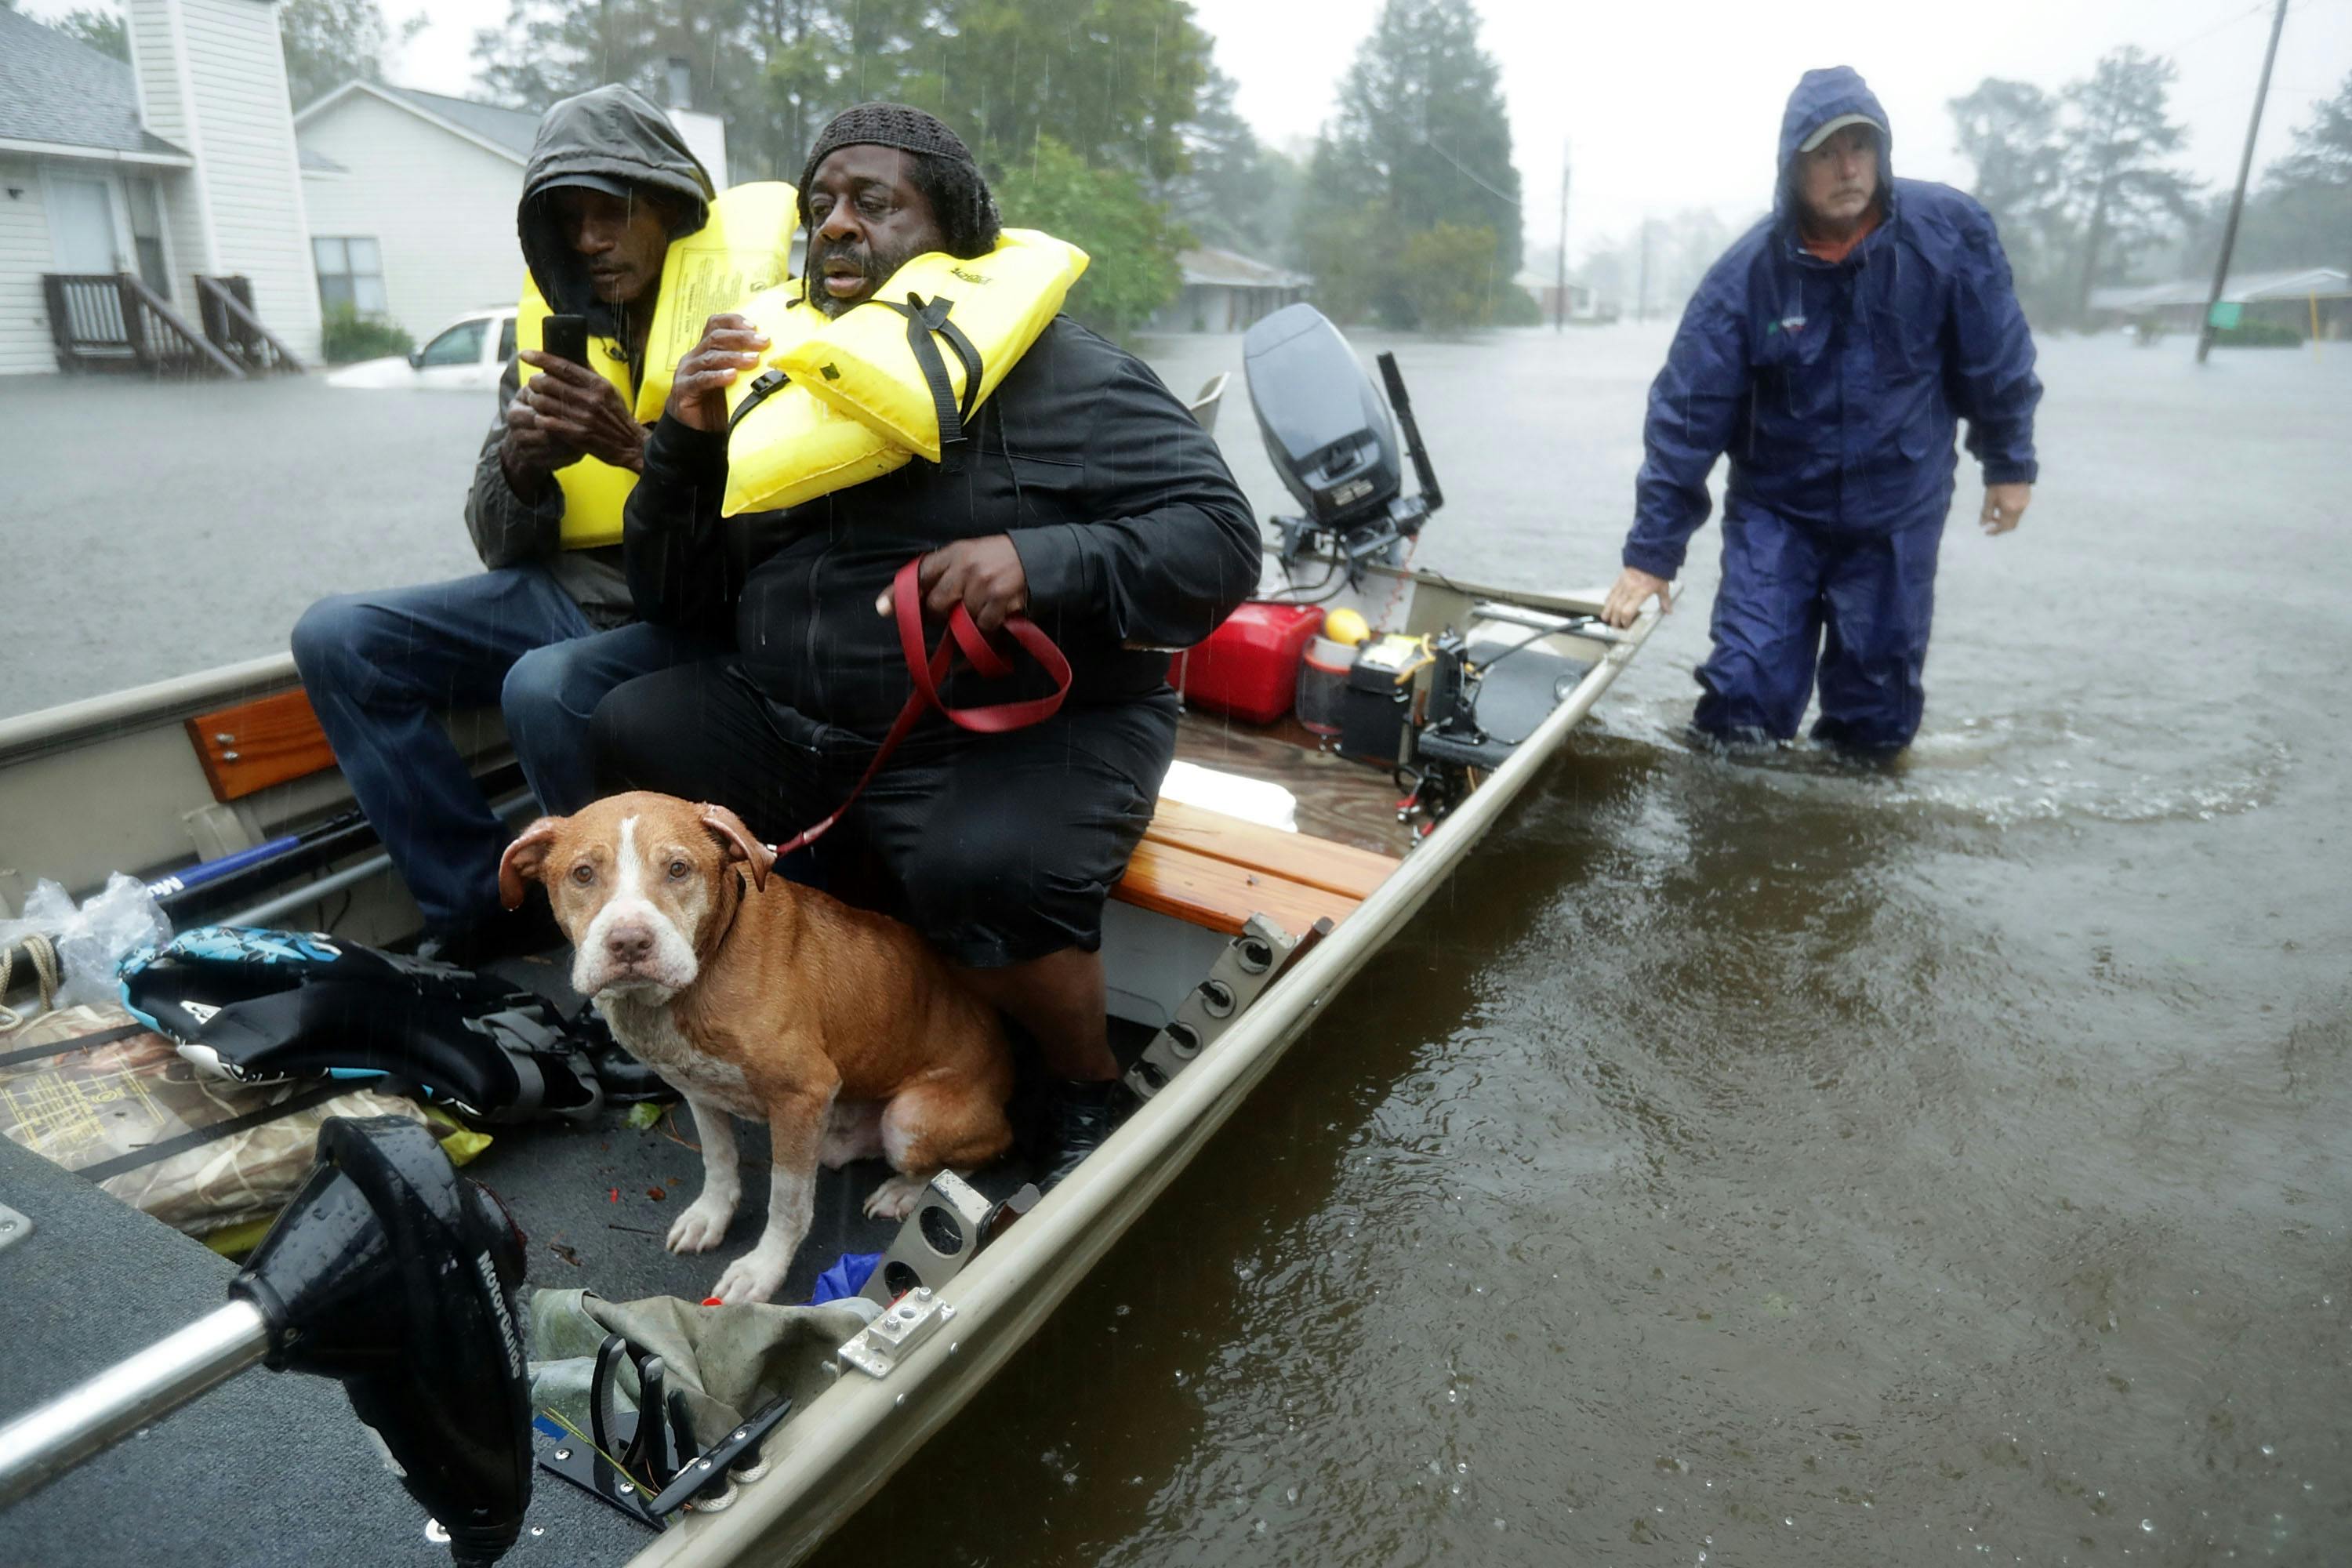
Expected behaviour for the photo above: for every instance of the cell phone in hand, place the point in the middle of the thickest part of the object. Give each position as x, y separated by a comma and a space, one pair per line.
565, 337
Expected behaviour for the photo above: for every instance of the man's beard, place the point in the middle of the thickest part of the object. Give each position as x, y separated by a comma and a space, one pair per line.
874, 265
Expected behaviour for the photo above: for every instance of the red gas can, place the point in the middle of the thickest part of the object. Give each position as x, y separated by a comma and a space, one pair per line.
1249, 666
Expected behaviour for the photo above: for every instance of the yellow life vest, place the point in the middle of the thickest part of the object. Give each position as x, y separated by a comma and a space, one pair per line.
745, 248
865, 391
789, 447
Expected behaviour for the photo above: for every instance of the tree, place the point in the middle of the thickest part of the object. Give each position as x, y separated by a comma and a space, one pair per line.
2307, 195
1346, 236
2010, 130
331, 42
1238, 193
1129, 238
2322, 149
102, 30
548, 50
1422, 106
2124, 196
1111, 79
1422, 138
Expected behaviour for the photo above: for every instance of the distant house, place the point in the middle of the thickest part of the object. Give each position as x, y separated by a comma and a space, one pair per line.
1226, 292
123, 185
1585, 304
411, 198
2300, 300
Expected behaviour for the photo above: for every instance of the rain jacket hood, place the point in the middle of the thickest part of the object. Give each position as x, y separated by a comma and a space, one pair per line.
1821, 97
613, 132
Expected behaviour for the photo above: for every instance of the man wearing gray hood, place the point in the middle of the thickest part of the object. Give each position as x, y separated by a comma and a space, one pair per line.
546, 630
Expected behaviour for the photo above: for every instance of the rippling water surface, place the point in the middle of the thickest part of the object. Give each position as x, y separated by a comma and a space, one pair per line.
1781, 1164
1748, 1165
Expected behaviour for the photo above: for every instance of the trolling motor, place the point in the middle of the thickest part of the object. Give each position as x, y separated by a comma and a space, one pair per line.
387, 1272
1330, 437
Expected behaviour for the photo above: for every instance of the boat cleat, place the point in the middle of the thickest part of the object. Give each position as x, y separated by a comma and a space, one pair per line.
878, 1347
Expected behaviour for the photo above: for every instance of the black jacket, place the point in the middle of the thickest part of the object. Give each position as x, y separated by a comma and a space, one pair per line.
613, 132
1131, 529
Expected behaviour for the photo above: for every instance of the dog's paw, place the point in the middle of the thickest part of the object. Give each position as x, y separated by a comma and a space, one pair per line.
896, 1198
754, 1277
701, 1227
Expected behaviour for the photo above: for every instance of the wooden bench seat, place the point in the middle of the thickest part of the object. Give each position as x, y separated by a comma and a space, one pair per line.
1195, 865
247, 748
1213, 870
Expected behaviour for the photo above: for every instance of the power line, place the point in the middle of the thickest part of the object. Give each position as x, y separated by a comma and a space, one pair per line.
2236, 17
1465, 170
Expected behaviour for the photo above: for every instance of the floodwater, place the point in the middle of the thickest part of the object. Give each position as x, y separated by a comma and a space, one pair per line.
1736, 1164
1773, 1166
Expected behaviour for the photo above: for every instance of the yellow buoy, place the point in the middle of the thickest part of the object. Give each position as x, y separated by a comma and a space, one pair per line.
1346, 626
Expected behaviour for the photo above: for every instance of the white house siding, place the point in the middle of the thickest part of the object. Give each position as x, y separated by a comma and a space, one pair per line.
442, 208
25, 255
156, 64
247, 129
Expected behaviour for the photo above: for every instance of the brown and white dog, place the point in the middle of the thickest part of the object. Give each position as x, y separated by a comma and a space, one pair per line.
840, 1029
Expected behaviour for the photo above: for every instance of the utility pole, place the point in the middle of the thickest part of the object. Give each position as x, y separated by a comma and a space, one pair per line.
2238, 198
1560, 305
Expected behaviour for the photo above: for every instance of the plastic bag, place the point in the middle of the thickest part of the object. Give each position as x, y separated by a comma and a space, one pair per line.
91, 940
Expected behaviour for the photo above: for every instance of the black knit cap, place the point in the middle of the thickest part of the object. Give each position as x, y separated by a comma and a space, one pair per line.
896, 125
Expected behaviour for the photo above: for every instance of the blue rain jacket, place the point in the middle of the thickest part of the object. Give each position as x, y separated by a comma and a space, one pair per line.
1835, 388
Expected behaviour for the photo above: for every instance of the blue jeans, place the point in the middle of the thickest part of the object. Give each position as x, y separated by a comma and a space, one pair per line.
378, 666
1792, 598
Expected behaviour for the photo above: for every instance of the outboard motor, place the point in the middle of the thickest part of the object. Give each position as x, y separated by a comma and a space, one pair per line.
1328, 435
389, 1272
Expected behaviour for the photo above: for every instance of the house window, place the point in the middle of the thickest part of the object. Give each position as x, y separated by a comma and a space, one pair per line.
147, 234
351, 272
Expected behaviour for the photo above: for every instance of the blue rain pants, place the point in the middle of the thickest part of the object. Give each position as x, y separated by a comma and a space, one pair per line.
1798, 604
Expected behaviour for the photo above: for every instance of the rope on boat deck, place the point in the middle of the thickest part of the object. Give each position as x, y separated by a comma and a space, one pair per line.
44, 954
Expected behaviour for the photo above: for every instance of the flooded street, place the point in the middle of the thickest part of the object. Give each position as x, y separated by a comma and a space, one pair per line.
1771, 1165
1738, 1164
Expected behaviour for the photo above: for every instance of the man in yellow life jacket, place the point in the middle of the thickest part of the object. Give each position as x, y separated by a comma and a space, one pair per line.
549, 628
1085, 498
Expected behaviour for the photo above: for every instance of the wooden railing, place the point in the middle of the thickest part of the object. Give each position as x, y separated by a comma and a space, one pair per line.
101, 320
226, 309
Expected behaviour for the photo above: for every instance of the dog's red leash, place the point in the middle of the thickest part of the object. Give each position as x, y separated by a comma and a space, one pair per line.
928, 669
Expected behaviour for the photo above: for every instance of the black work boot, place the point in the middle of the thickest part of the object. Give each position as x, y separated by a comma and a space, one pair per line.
1078, 1117
508, 933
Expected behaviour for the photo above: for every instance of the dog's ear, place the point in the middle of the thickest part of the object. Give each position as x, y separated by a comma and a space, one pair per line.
729, 830
524, 857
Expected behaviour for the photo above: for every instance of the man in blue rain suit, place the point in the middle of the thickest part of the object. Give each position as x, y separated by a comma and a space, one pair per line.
1831, 352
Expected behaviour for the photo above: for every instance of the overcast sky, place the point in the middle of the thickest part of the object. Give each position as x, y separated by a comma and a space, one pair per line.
1673, 104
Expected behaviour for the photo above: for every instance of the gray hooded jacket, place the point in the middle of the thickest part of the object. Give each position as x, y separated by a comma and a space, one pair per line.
614, 134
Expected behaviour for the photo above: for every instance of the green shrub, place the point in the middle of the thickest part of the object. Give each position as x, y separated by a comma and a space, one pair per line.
2250, 335
1515, 307
1448, 278
349, 336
